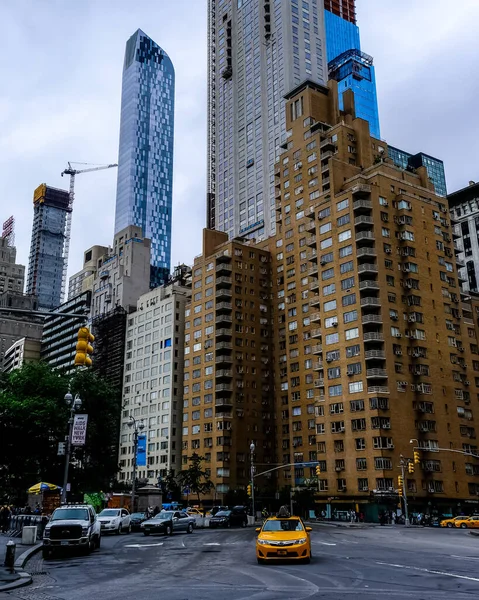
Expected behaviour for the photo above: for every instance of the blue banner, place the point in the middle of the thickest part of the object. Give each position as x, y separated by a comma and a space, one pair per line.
141, 451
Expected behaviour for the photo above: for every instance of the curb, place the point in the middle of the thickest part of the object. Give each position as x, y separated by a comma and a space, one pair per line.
476, 533
25, 578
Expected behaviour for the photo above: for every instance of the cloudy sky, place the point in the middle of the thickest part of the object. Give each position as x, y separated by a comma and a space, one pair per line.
60, 73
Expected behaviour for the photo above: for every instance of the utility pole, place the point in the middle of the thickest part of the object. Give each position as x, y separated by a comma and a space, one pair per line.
252, 449
138, 426
73, 403
402, 485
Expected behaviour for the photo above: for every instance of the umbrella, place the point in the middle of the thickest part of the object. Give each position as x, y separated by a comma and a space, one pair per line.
42, 487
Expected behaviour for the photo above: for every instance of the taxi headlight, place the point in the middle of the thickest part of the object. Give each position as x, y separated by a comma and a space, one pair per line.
300, 541
263, 542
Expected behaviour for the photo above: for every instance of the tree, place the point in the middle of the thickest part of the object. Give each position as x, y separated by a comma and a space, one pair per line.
171, 487
195, 478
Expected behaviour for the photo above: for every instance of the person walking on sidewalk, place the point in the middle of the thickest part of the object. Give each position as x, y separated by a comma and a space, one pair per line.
5, 516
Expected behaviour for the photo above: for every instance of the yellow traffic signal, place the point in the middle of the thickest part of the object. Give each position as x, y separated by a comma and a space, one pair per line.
318, 470
400, 492
410, 468
417, 458
84, 348
248, 489
400, 481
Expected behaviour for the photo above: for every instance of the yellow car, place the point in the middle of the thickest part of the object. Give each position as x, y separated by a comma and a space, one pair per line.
468, 523
283, 538
452, 522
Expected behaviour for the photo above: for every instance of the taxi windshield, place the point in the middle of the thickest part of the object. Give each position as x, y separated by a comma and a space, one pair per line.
283, 525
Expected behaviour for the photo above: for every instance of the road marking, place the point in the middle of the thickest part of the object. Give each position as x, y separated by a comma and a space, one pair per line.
324, 543
431, 571
465, 557
143, 545
212, 544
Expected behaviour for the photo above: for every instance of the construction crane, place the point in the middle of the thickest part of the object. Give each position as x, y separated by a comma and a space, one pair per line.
66, 249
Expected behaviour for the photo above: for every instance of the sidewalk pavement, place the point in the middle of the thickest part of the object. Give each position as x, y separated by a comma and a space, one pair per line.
19, 578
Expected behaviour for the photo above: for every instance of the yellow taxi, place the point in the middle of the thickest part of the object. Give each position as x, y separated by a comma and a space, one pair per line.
468, 522
283, 538
452, 522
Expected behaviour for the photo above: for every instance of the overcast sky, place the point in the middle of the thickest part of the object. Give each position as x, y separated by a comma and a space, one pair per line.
60, 73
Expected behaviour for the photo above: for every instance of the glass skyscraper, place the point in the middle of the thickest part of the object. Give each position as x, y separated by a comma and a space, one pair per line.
145, 162
258, 51
350, 67
434, 166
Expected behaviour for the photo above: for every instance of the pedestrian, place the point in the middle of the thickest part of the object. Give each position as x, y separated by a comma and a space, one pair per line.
394, 518
5, 516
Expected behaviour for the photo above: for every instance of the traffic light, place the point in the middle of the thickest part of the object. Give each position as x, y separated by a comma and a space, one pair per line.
410, 468
249, 490
400, 492
417, 458
84, 348
400, 481
318, 470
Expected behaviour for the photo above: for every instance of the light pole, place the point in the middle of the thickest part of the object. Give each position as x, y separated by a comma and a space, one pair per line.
73, 404
404, 462
252, 449
138, 426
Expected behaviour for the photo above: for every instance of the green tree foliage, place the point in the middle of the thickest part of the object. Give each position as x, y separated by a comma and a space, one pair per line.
34, 419
170, 488
195, 477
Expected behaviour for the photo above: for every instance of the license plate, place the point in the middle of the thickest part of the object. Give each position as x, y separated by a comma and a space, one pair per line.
64, 543
282, 552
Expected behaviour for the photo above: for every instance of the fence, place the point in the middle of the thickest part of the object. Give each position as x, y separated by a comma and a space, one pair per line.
18, 522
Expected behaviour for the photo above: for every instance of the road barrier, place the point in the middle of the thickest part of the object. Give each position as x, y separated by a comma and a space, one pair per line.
18, 522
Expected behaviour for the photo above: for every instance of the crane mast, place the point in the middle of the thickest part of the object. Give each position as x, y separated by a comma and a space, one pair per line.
68, 225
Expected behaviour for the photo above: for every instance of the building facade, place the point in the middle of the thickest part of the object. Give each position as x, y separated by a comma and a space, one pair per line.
372, 333
464, 207
123, 273
12, 276
346, 9
145, 161
434, 166
153, 380
60, 334
47, 251
83, 280
22, 351
228, 385
257, 52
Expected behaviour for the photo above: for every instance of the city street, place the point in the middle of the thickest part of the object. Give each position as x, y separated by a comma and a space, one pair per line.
370, 563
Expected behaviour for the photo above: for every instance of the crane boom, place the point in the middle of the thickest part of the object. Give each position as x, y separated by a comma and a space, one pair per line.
68, 225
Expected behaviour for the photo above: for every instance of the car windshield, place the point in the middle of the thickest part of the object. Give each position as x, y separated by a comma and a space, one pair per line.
76, 514
137, 515
283, 525
167, 514
109, 512
223, 513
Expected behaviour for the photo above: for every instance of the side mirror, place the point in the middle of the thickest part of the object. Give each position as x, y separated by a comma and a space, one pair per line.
258, 529
175, 518
309, 529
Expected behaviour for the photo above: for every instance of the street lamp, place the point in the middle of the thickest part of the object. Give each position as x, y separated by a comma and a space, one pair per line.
252, 449
73, 404
138, 426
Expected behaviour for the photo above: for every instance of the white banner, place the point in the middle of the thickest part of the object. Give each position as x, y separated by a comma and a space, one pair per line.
79, 430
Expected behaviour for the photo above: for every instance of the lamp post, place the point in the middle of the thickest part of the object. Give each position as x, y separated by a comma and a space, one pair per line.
138, 426
252, 449
73, 404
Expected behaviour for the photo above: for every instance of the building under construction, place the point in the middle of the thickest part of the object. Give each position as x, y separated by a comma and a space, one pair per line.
109, 331
46, 264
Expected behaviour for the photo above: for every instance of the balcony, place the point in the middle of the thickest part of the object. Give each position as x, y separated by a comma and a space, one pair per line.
228, 346
368, 284
223, 332
316, 332
224, 267
378, 389
370, 301
367, 268
373, 336
220, 306
314, 285
315, 300
312, 255
366, 251
375, 354
362, 220
223, 360
223, 401
362, 205
376, 373
228, 373
361, 190
318, 365
367, 319
315, 317
319, 398
317, 349
313, 271
224, 280
311, 241
327, 145
311, 226
223, 319
223, 388
365, 236
319, 383
223, 293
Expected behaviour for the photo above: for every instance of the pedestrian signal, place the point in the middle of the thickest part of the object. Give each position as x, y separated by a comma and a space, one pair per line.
84, 348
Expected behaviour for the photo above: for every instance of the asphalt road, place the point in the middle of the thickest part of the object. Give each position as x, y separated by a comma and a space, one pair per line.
373, 563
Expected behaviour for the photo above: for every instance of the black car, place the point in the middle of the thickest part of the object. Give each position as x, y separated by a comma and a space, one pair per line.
167, 522
136, 520
229, 518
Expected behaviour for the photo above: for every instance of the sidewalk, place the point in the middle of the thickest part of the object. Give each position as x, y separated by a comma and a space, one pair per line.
19, 577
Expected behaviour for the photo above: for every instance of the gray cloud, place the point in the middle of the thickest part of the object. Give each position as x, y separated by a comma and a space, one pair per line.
61, 64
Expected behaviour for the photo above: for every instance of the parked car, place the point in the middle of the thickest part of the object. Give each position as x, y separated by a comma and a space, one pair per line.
72, 526
468, 523
136, 519
115, 520
283, 539
229, 518
216, 509
167, 522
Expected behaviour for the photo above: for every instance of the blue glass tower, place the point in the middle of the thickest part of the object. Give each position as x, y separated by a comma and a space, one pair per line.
434, 166
351, 68
145, 162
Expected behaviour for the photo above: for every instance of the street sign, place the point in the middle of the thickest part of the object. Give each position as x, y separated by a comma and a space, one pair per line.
79, 430
69, 487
